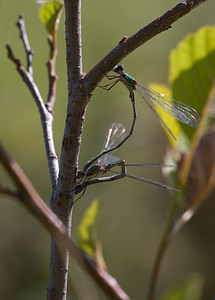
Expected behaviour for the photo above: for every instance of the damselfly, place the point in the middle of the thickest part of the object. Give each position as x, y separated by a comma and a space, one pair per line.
106, 162
172, 107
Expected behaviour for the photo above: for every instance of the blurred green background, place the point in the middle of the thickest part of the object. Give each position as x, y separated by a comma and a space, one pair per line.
133, 213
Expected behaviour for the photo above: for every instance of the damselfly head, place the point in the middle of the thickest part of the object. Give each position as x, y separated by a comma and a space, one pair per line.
118, 69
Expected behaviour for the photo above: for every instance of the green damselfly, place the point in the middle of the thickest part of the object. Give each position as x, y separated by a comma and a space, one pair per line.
172, 107
115, 135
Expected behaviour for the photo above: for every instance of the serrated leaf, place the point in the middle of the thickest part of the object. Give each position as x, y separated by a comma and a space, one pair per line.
190, 289
50, 14
192, 70
87, 232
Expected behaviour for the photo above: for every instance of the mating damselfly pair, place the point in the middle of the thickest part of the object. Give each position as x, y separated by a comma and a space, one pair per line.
116, 134
106, 163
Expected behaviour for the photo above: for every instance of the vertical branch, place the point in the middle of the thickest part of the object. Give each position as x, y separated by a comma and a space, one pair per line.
73, 41
52, 40
52, 75
77, 103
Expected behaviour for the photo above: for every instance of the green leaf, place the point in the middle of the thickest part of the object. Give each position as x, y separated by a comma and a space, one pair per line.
192, 70
50, 14
87, 232
189, 289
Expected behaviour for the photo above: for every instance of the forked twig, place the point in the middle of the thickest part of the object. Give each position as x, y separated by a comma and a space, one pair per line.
45, 115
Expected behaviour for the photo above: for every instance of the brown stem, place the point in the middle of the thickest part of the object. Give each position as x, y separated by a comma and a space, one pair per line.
77, 103
8, 191
52, 40
52, 75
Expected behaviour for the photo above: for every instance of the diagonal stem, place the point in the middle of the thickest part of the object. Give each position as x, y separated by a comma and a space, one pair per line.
128, 45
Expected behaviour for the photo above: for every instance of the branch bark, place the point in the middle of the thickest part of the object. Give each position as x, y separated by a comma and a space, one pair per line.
53, 78
77, 103
23, 35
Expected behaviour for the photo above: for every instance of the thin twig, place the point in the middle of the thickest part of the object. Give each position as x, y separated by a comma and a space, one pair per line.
52, 40
53, 78
29, 196
46, 117
24, 37
8, 191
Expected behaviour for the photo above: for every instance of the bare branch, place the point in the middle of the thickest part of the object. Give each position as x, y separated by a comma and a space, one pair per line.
128, 45
23, 35
30, 197
46, 117
77, 103
10, 55
52, 40
73, 41
8, 191
52, 75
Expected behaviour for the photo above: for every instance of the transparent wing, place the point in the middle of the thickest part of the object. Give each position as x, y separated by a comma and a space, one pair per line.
108, 159
115, 135
172, 107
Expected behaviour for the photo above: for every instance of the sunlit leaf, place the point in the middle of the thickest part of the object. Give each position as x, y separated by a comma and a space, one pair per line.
190, 289
87, 232
192, 70
50, 14
172, 123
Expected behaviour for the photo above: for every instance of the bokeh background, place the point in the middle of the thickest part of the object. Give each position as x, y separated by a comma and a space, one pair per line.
133, 213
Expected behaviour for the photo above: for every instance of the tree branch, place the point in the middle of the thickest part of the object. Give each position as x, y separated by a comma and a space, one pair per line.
128, 45
52, 75
8, 191
46, 117
29, 196
77, 103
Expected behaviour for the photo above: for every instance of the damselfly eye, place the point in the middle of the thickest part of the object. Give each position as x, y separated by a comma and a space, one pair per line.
118, 69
